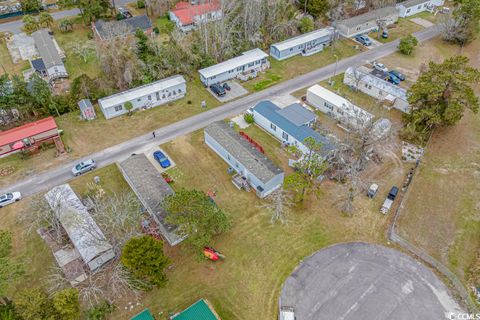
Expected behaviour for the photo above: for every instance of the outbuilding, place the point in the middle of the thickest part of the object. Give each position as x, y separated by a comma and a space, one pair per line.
86, 109
30, 135
291, 125
80, 227
200, 310
251, 61
257, 170
361, 79
151, 189
144, 97
349, 115
305, 44
105, 30
367, 22
411, 7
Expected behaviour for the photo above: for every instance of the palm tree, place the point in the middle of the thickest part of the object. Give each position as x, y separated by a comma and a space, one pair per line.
129, 106
45, 19
30, 24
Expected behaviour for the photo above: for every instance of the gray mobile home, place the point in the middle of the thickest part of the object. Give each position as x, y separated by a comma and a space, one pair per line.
305, 44
367, 22
250, 61
144, 97
50, 64
259, 171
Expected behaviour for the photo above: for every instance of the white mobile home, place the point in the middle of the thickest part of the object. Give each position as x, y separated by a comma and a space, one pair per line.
144, 97
367, 22
250, 61
291, 125
339, 108
258, 171
80, 227
305, 44
411, 7
50, 64
361, 79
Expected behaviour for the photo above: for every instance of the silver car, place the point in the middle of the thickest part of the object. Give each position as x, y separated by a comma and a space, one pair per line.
84, 166
9, 198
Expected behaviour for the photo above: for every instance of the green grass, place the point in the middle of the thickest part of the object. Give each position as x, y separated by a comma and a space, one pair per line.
298, 65
401, 29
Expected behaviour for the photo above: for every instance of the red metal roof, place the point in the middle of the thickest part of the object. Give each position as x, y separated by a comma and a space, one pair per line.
185, 11
27, 130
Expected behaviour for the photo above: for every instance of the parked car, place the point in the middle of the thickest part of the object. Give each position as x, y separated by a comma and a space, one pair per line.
372, 191
397, 74
379, 66
124, 12
9, 198
162, 159
385, 34
393, 79
363, 39
218, 89
387, 204
84, 166
226, 86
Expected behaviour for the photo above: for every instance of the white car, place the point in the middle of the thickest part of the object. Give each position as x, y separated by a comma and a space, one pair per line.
9, 198
379, 66
85, 166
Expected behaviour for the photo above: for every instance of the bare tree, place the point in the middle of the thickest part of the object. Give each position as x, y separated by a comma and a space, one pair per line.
83, 50
279, 203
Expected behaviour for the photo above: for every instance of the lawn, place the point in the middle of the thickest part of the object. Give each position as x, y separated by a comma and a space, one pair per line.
401, 29
6, 63
298, 65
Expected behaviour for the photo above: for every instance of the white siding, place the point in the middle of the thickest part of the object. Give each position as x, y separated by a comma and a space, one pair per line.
412, 10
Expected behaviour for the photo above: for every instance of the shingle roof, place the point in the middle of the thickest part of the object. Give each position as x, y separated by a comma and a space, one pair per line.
252, 159
272, 112
38, 64
150, 187
46, 48
369, 16
131, 25
411, 3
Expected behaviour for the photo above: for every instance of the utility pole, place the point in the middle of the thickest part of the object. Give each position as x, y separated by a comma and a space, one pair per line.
330, 81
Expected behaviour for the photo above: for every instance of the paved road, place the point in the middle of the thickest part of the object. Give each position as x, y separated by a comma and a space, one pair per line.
360, 281
16, 26
115, 153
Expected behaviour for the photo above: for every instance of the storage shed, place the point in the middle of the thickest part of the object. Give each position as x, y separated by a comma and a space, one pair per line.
349, 115
80, 227
144, 97
259, 171
305, 44
250, 61
86, 109
200, 310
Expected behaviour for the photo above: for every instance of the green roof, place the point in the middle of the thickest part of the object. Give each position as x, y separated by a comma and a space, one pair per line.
198, 311
144, 315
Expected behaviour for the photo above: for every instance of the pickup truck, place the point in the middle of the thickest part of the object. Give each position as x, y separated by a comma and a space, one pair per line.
387, 204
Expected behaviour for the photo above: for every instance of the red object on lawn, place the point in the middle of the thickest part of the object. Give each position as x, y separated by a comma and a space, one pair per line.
212, 254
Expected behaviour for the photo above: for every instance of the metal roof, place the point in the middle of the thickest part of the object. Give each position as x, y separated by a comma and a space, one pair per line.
46, 48
132, 94
411, 3
150, 188
82, 230
300, 132
27, 130
232, 64
144, 315
369, 16
297, 114
301, 39
84, 104
365, 76
131, 25
200, 310
348, 107
256, 162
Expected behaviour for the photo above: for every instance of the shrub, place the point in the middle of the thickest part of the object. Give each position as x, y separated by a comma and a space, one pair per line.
100, 311
156, 30
248, 117
407, 44
306, 25
141, 4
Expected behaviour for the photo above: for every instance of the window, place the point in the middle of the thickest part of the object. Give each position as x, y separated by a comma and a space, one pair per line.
163, 96
139, 99
251, 64
228, 157
408, 11
340, 112
274, 127
358, 28
285, 136
328, 105
118, 108
179, 90
239, 69
157, 95
149, 97
419, 7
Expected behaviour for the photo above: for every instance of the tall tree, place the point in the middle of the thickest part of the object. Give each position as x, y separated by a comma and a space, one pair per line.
144, 257
407, 44
441, 95
93, 9
31, 5
84, 87
316, 8
35, 304
45, 19
66, 304
30, 24
308, 170
196, 216
462, 24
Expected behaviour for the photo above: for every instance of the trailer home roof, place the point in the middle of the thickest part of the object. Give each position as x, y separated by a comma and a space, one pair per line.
245, 153
301, 39
245, 58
